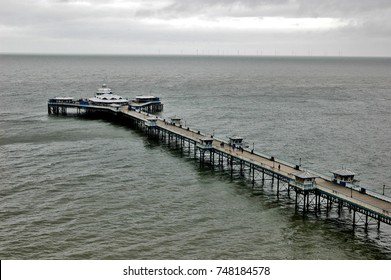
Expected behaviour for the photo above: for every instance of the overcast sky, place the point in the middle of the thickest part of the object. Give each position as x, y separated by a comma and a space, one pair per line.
246, 27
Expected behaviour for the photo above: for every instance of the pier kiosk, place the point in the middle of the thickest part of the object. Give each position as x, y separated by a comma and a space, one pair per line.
151, 125
175, 120
344, 177
151, 122
236, 141
205, 147
305, 180
206, 143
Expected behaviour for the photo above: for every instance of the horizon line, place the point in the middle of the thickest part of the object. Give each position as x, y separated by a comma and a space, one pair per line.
194, 55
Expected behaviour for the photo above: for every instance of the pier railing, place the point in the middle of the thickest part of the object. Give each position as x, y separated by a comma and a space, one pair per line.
355, 201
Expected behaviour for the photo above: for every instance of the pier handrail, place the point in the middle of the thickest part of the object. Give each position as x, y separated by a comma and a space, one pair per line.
378, 195
353, 200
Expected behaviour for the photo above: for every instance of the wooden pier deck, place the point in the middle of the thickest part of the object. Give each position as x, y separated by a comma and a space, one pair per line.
367, 207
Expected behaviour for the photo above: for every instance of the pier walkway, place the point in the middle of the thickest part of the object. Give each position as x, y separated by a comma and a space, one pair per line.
366, 207
378, 208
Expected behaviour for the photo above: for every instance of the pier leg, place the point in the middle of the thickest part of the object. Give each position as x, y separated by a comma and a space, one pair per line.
366, 222
304, 202
195, 150
253, 175
339, 208
272, 181
327, 205
318, 203
232, 168
308, 201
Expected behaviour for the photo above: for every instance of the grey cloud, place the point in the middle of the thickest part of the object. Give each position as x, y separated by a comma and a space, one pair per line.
337, 8
220, 8
62, 20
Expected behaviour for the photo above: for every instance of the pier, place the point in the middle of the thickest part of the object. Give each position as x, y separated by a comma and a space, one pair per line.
311, 192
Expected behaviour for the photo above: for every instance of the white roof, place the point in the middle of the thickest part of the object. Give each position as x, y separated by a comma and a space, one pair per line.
145, 96
343, 172
108, 98
64, 98
204, 139
305, 175
235, 137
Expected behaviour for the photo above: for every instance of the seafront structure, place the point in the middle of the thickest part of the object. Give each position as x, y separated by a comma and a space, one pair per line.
103, 101
146, 103
313, 193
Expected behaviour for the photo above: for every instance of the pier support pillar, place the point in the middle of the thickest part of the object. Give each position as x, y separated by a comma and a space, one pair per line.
304, 201
232, 167
253, 175
366, 221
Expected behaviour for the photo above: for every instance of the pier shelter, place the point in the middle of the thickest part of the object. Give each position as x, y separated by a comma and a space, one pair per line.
151, 122
206, 143
343, 177
147, 98
146, 103
61, 99
236, 141
175, 120
305, 180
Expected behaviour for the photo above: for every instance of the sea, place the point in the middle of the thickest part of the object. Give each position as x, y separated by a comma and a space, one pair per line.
73, 187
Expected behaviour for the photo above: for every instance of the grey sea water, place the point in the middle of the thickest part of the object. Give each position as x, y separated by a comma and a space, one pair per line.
79, 188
